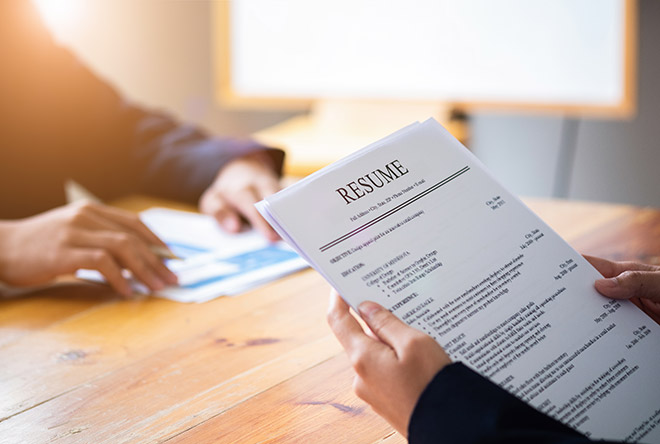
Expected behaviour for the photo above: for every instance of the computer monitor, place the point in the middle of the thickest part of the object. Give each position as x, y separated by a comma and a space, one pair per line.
560, 54
568, 56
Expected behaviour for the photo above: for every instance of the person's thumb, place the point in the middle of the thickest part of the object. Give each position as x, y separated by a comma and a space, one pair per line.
641, 284
387, 327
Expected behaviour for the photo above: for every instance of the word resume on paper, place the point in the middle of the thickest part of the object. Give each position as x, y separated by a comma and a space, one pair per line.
417, 224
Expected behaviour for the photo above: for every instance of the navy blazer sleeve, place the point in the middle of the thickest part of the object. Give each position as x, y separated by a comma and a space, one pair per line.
181, 161
460, 406
59, 120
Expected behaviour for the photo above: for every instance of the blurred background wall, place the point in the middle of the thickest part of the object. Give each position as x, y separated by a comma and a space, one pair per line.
159, 53
615, 160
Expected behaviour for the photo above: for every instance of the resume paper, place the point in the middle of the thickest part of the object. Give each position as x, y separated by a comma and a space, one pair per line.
416, 223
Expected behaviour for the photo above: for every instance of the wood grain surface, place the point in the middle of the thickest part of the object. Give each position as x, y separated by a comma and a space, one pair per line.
79, 365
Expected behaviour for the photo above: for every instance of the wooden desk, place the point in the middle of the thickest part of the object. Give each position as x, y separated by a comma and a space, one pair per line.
79, 365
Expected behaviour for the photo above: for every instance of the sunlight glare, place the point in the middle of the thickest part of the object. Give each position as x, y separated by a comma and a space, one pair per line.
60, 15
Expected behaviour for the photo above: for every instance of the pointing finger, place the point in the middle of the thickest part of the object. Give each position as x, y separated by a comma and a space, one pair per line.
244, 201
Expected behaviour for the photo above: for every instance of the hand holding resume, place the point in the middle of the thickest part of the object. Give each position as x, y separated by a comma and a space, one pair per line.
416, 223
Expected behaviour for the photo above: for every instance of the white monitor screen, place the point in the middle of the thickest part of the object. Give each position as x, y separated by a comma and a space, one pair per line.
509, 51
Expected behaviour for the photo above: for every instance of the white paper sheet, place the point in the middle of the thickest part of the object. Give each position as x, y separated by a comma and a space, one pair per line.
451, 252
214, 263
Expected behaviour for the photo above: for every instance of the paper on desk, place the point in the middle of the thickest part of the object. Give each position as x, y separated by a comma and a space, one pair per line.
213, 263
416, 223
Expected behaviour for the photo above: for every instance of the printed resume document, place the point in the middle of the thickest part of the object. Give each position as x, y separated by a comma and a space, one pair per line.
417, 224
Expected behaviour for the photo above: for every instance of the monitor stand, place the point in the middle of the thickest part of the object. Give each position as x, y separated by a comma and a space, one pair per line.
335, 128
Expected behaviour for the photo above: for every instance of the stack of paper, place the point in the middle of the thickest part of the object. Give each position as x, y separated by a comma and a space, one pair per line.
417, 224
213, 263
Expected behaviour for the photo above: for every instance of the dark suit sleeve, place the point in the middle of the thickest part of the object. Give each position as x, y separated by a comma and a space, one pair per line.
59, 120
181, 161
460, 406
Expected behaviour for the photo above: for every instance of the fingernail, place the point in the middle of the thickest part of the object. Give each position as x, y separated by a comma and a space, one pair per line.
172, 278
157, 284
273, 237
367, 309
608, 283
126, 290
230, 225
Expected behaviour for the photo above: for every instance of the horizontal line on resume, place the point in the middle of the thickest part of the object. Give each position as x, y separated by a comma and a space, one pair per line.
394, 210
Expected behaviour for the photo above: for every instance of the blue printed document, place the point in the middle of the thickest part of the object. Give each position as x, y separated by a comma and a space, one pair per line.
213, 263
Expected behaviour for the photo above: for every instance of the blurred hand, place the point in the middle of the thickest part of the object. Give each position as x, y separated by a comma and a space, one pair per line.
35, 250
239, 185
394, 363
630, 280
